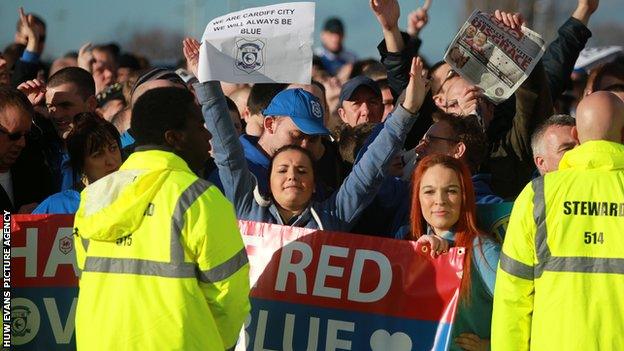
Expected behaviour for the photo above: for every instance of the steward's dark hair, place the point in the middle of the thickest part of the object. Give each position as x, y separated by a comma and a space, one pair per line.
159, 110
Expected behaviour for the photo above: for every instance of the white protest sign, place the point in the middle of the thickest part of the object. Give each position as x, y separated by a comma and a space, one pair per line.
259, 45
592, 57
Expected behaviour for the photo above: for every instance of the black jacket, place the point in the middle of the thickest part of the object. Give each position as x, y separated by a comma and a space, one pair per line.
32, 180
562, 53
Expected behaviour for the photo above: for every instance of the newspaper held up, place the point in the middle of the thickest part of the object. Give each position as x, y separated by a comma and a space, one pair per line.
493, 56
270, 44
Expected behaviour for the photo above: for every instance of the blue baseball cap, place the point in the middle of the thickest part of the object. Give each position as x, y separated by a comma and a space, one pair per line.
356, 82
302, 107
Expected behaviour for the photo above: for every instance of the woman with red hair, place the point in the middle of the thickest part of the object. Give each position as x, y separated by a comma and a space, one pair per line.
444, 214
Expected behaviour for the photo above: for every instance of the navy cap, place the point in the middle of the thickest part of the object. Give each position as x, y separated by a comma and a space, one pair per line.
334, 25
302, 107
360, 81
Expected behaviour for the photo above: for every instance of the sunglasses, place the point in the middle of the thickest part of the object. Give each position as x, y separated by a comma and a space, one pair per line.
427, 139
14, 136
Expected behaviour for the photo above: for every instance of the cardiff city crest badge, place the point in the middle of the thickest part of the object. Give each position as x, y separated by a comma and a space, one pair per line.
65, 244
249, 55
317, 110
19, 320
25, 320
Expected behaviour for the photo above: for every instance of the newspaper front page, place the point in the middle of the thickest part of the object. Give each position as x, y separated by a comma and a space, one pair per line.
493, 56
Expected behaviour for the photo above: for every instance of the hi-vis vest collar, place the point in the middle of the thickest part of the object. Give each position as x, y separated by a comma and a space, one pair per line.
593, 155
123, 198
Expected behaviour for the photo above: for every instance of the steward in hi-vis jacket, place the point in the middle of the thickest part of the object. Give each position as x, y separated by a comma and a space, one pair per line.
560, 282
163, 266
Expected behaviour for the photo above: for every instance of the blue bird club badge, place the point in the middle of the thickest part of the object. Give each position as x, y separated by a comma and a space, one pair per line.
249, 55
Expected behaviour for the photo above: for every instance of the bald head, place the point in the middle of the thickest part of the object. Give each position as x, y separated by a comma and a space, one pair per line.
600, 116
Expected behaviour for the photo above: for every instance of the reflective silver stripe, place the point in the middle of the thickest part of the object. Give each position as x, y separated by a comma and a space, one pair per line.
547, 262
585, 265
140, 267
85, 243
177, 221
225, 269
539, 215
516, 268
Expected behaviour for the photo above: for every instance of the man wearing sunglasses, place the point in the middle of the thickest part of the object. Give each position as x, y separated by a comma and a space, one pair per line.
508, 129
464, 139
23, 178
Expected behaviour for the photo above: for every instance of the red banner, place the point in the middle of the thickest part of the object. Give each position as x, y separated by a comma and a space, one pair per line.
311, 289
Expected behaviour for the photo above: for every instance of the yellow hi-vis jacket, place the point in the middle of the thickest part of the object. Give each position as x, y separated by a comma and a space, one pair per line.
164, 267
560, 281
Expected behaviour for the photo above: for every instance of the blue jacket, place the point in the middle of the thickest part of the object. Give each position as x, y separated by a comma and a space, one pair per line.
339, 211
483, 190
64, 202
257, 162
126, 139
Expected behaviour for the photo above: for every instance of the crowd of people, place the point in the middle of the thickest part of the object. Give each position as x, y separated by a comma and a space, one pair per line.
157, 168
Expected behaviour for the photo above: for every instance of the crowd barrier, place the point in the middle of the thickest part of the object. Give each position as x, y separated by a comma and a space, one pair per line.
311, 290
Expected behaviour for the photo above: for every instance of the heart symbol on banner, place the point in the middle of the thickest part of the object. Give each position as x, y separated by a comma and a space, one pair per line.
381, 340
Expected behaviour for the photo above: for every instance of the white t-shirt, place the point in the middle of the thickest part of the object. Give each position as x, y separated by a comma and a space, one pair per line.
7, 183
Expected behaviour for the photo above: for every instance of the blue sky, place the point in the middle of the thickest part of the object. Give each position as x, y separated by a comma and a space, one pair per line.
72, 22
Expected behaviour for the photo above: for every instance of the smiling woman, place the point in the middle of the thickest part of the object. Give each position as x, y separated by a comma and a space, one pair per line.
444, 214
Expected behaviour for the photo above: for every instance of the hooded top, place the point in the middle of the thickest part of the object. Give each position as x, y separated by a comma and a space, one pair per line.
159, 250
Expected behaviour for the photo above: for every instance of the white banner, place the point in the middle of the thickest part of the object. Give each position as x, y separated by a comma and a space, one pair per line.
590, 58
270, 44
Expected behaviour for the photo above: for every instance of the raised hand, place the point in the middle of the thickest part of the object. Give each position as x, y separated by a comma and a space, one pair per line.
591, 5
190, 48
418, 19
472, 342
32, 31
34, 90
469, 100
511, 20
85, 58
585, 9
387, 13
417, 87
